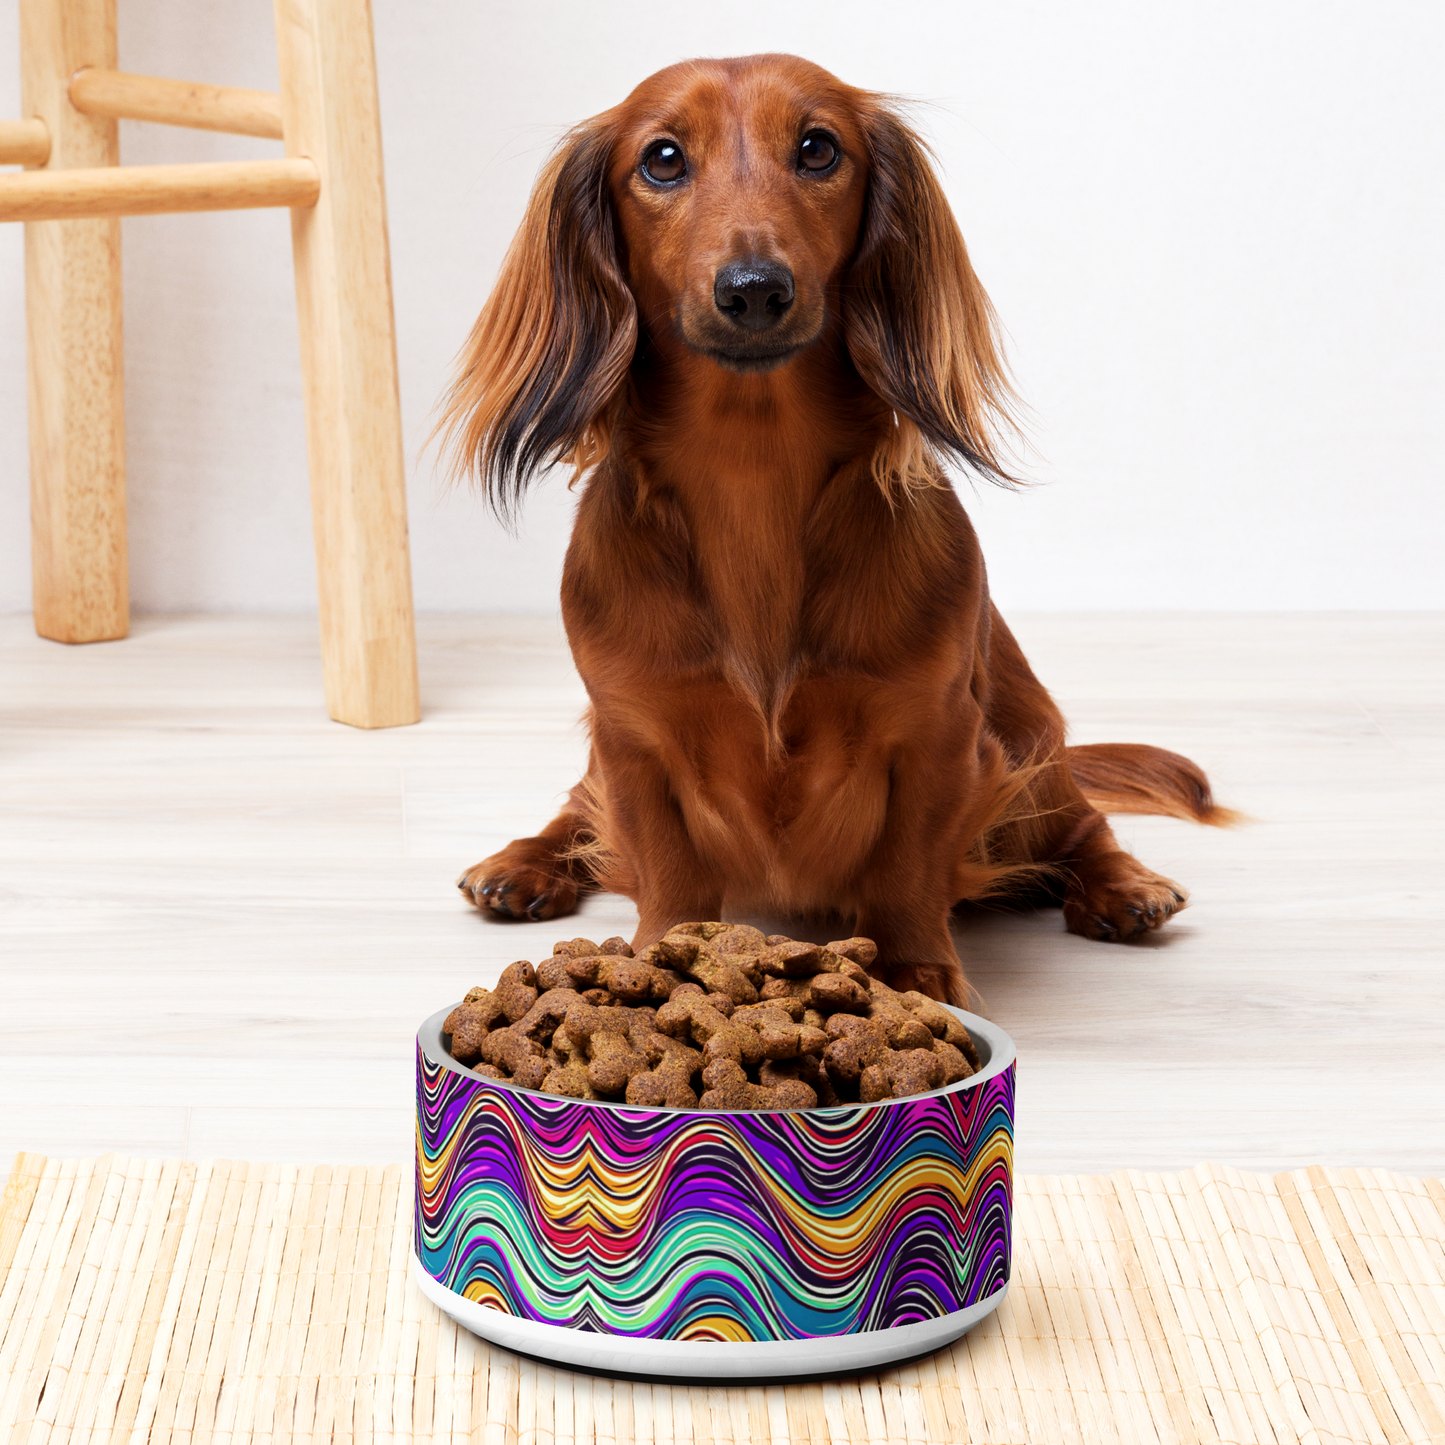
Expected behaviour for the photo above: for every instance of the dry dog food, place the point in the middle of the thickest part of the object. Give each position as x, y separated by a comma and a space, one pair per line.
714, 1016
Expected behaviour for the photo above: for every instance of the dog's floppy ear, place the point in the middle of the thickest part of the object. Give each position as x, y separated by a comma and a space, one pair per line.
540, 375
919, 326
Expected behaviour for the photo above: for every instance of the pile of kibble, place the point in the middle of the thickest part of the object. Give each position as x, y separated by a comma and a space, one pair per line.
714, 1016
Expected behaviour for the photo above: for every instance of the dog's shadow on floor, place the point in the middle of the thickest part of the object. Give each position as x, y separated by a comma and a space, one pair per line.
1012, 957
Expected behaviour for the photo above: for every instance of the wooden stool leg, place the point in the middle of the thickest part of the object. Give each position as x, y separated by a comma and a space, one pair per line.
348, 360
72, 306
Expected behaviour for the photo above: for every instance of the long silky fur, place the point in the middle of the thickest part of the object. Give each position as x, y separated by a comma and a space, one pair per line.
919, 325
540, 376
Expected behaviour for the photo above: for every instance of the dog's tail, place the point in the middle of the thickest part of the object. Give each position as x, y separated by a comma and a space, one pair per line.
1135, 778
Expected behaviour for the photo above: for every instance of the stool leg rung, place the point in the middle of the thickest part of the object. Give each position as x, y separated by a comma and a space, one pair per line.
95, 91
24, 142
63, 195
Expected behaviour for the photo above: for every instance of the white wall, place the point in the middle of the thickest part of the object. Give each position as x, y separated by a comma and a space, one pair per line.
1212, 230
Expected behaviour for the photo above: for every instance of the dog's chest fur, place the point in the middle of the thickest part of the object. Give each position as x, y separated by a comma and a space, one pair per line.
776, 668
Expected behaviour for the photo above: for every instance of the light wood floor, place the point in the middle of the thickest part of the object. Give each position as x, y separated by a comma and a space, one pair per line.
222, 916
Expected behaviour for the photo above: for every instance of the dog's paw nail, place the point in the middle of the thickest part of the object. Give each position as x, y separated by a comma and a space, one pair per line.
1135, 911
534, 909
1106, 929
1178, 897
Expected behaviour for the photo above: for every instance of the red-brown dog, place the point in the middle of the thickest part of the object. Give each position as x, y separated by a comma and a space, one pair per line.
740, 303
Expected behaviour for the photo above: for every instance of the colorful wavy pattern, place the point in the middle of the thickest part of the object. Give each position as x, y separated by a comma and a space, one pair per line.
701, 1226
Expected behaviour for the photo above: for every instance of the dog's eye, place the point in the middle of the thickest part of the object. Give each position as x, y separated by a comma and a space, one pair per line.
664, 162
818, 151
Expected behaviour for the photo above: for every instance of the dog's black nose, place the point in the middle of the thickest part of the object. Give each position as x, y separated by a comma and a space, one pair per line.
756, 294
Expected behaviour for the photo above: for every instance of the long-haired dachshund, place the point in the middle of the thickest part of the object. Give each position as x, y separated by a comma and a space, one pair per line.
740, 306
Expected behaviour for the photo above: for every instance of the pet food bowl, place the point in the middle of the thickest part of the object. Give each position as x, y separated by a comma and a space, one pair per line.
721, 1246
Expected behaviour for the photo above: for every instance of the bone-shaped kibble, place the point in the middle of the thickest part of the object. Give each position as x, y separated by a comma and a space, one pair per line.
797, 960
552, 972
896, 1075
632, 980
531, 1071
905, 1030
790, 1004
655, 1046
470, 1022
668, 1084
691, 956
741, 946
832, 993
569, 1081
704, 931
516, 990
855, 1046
780, 1036
565, 1047
692, 1017
728, 1087
585, 1019
545, 1016
941, 1023
575, 948
720, 1001
955, 1066
841, 1026
612, 1060
805, 1069
862, 951
613, 1063
508, 1049
740, 940
779, 988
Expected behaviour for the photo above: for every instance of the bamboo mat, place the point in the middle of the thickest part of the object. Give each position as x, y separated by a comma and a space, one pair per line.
152, 1300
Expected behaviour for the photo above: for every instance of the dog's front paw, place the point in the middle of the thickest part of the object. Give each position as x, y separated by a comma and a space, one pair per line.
1115, 898
516, 883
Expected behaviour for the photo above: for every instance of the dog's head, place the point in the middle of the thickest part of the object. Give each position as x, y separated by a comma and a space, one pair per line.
739, 189
732, 214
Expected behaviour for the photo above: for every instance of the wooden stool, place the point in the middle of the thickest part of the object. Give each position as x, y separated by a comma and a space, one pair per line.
331, 179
